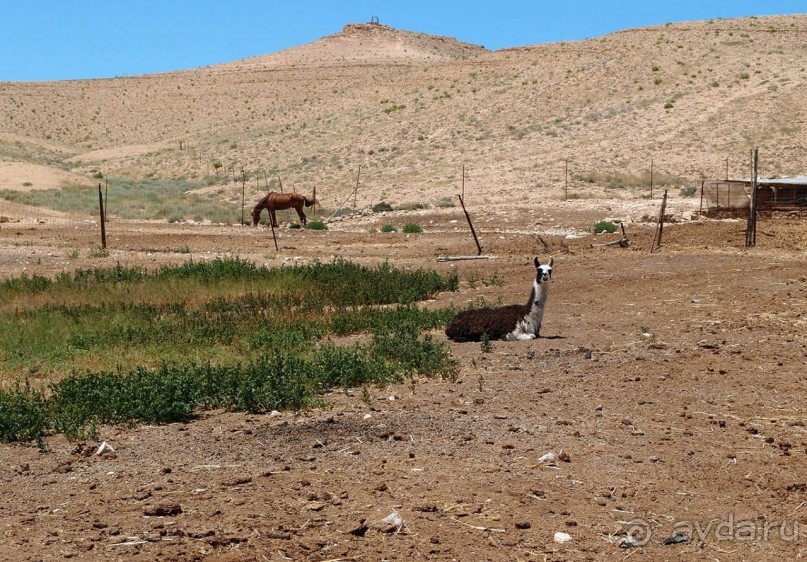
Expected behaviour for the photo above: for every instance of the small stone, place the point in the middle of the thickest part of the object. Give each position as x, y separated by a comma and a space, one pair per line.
105, 449
361, 530
278, 535
162, 510
391, 523
547, 458
628, 542
561, 537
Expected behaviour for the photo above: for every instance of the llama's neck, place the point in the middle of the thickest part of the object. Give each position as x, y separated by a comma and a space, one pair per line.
529, 326
538, 296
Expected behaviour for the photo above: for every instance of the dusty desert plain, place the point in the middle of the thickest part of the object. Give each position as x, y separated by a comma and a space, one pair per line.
669, 387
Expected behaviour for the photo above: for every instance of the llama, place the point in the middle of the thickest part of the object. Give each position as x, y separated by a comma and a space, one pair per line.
275, 201
512, 322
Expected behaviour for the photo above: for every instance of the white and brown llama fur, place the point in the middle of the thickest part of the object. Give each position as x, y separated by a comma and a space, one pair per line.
512, 322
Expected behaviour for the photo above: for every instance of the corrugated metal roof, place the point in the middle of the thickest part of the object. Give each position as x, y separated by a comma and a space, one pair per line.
798, 180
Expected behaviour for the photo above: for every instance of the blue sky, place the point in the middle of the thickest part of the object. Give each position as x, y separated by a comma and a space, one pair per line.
68, 39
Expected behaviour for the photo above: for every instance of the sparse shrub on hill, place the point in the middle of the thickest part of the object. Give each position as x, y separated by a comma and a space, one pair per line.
619, 180
412, 228
382, 207
411, 206
388, 228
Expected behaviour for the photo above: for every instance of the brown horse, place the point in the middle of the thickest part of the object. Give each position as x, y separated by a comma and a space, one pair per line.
275, 201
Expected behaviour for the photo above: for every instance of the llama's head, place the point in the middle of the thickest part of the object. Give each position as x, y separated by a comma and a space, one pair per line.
543, 272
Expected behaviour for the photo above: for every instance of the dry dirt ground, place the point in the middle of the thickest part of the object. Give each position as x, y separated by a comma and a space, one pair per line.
671, 388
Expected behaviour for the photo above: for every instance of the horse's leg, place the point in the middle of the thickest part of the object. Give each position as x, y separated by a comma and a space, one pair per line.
273, 217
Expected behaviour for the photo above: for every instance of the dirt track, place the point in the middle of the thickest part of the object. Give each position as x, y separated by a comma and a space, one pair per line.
674, 385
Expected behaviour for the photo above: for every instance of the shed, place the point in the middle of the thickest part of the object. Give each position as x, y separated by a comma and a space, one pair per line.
773, 194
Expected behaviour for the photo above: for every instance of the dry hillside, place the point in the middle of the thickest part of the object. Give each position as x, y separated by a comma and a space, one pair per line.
410, 109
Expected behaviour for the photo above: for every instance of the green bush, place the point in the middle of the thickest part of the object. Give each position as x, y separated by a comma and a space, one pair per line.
412, 228
23, 415
604, 226
688, 191
388, 228
316, 225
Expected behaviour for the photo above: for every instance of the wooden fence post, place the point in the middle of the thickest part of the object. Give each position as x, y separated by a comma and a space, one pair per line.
463, 181
243, 193
102, 215
751, 228
468, 217
659, 225
566, 187
356, 189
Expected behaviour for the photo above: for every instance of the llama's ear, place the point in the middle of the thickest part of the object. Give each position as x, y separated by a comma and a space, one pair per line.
537, 263
551, 261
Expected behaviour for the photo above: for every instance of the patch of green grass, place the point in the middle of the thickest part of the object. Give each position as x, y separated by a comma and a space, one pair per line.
412, 228
259, 337
388, 228
79, 403
98, 253
224, 309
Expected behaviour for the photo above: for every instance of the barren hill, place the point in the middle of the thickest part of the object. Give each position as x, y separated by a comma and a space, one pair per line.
411, 109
